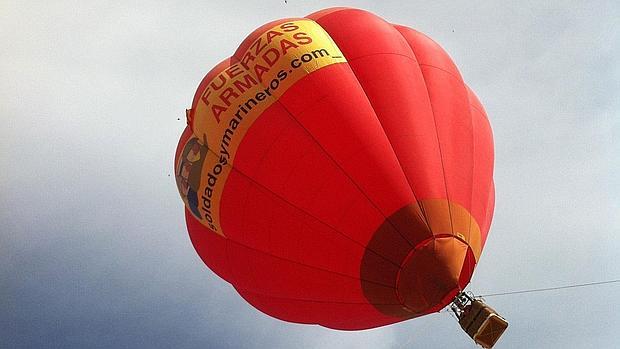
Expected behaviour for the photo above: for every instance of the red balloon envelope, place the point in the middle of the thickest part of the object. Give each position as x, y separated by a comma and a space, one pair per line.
337, 170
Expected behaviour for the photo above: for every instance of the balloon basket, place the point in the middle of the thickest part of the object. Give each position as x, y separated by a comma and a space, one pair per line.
478, 320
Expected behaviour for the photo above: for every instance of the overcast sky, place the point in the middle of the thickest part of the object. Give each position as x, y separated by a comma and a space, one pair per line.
93, 248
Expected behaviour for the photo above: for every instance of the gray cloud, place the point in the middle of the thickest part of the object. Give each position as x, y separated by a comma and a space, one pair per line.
93, 248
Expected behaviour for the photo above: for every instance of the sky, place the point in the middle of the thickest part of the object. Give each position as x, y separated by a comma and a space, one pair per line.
93, 247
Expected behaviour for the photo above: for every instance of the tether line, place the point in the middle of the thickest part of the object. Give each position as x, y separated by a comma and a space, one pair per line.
552, 288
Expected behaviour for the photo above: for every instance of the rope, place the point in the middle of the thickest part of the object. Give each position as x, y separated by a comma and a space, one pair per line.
552, 288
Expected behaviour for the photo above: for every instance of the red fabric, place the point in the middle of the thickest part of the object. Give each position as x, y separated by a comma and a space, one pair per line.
321, 169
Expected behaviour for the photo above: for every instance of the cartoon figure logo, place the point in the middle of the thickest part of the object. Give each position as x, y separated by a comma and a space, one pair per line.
188, 174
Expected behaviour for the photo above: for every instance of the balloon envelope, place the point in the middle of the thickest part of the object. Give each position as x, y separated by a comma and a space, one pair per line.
336, 170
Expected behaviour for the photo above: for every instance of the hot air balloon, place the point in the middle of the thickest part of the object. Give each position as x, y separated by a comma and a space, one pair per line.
337, 170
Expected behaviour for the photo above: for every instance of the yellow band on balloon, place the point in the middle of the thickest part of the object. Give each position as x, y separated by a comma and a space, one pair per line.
235, 98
